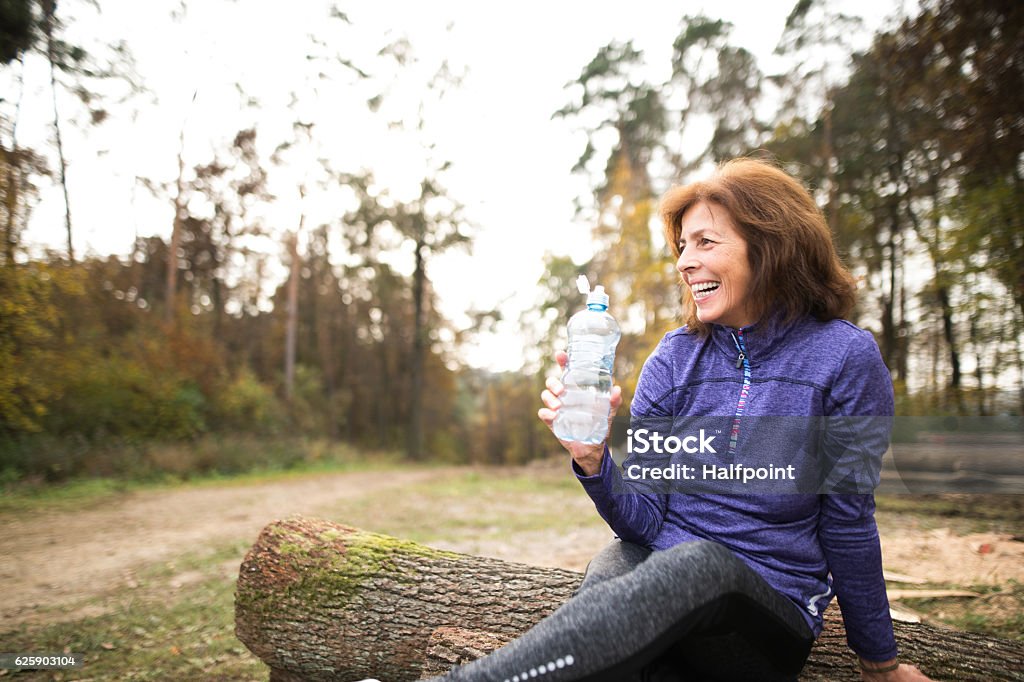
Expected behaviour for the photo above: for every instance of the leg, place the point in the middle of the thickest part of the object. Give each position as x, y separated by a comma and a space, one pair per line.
611, 630
615, 559
618, 558
725, 658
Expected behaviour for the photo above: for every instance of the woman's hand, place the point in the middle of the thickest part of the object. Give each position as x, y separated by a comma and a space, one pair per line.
587, 456
903, 673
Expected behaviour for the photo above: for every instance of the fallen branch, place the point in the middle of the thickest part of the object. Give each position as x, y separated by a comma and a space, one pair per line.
321, 601
929, 594
892, 577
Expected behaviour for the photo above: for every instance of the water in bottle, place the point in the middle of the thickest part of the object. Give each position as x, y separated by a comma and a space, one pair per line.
593, 335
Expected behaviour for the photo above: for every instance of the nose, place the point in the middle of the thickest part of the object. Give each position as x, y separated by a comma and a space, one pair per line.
687, 260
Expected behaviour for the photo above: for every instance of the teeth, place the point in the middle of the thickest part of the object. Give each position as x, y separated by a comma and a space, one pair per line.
703, 290
704, 287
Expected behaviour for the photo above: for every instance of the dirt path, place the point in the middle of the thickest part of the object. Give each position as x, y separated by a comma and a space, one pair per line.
61, 559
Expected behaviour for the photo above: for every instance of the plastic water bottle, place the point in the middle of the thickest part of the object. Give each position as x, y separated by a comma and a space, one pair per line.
593, 335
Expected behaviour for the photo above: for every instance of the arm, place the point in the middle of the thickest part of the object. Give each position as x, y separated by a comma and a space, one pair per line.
632, 516
847, 529
849, 538
635, 517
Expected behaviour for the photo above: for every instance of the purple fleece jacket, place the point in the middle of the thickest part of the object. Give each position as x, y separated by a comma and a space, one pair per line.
809, 547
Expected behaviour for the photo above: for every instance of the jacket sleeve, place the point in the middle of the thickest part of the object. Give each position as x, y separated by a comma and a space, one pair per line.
846, 528
634, 515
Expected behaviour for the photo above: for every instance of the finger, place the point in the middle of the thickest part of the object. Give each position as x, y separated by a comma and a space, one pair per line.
562, 358
547, 416
550, 400
554, 385
615, 398
614, 401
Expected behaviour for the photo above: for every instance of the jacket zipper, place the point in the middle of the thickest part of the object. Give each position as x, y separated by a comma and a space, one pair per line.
742, 360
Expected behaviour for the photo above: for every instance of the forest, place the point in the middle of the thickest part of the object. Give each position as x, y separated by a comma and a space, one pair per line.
232, 327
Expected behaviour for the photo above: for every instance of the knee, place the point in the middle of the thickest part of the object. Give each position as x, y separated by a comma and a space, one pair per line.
704, 560
616, 559
702, 551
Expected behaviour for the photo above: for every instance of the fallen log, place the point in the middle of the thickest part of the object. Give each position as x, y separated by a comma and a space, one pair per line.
320, 601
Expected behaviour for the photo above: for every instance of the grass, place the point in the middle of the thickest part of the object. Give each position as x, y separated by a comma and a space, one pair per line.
307, 458
155, 631
999, 611
517, 501
74, 495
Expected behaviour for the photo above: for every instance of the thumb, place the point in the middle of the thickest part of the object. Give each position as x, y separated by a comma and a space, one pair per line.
615, 399
614, 403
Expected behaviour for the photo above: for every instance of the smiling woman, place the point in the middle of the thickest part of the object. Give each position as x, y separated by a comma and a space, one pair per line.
733, 586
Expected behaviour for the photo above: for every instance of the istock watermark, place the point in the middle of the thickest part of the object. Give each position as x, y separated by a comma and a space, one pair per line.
710, 472
642, 441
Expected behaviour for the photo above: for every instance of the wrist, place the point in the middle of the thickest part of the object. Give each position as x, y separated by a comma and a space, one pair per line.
590, 461
878, 667
589, 467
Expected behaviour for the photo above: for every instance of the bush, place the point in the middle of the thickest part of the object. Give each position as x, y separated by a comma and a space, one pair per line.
246, 404
33, 459
120, 398
29, 322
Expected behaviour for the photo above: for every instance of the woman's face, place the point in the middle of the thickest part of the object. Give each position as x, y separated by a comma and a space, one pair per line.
714, 264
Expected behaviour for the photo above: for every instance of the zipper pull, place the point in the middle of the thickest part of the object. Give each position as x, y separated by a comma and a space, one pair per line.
739, 349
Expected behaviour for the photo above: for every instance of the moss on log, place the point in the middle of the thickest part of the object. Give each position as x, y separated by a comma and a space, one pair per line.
321, 601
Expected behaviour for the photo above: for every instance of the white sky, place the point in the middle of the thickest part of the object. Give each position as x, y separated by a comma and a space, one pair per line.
510, 162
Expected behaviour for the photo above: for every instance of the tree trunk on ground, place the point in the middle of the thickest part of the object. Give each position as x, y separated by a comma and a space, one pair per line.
320, 601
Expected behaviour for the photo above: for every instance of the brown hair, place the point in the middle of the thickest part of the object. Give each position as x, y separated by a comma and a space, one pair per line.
795, 264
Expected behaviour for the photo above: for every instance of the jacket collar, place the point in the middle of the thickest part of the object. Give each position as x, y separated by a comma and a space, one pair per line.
760, 339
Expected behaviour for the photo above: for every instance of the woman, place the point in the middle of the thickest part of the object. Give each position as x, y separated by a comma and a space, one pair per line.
730, 587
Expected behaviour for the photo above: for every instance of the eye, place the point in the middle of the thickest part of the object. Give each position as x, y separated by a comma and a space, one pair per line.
701, 241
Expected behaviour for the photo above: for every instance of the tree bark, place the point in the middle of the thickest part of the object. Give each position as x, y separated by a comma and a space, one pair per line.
831, 162
317, 601
292, 323
12, 162
180, 213
414, 438
49, 26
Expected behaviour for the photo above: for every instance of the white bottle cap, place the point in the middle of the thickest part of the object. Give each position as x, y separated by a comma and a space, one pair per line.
598, 297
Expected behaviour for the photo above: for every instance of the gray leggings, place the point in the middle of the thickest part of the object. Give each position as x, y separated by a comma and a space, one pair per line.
692, 613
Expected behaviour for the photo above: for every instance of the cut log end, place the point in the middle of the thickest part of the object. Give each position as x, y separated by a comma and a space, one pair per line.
451, 646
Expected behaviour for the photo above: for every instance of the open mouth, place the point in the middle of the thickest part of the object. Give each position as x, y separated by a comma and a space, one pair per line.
704, 289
